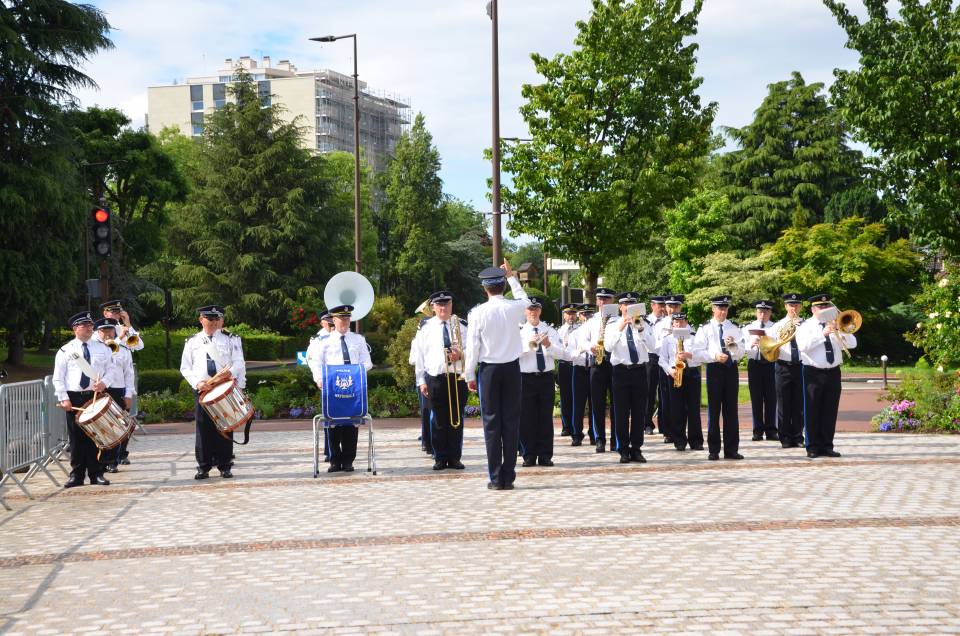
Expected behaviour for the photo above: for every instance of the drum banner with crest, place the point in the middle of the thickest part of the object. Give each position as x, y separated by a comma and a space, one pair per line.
344, 393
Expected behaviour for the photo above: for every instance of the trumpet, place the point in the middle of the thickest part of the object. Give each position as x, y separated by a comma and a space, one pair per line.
535, 342
113, 344
132, 340
732, 345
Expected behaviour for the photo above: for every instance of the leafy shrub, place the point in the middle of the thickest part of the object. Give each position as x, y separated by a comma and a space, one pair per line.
398, 352
923, 402
257, 345
938, 331
165, 406
159, 380
386, 401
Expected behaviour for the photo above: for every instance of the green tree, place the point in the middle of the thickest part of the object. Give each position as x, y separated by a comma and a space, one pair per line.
746, 279
42, 45
260, 230
136, 178
617, 129
850, 259
695, 228
645, 270
792, 158
902, 102
938, 331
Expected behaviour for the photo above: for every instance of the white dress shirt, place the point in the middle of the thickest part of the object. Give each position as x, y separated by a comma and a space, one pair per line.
313, 353
668, 353
67, 372
615, 343
708, 339
576, 349
812, 345
492, 334
753, 350
565, 333
229, 350
659, 327
528, 359
774, 332
431, 357
332, 351
589, 334
119, 373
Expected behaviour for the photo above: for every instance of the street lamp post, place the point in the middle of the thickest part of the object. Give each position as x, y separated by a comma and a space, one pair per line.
497, 253
356, 145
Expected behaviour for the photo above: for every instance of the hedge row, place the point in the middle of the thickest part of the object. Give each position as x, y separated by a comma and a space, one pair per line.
159, 380
255, 347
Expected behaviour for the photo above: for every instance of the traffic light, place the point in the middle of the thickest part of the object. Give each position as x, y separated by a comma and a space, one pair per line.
102, 234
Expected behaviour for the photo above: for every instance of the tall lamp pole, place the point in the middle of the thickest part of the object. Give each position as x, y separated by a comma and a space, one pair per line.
356, 146
497, 253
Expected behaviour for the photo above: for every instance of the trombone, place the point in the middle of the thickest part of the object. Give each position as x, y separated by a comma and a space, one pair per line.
454, 367
848, 321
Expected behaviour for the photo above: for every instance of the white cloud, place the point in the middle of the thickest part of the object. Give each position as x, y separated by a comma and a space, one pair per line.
437, 54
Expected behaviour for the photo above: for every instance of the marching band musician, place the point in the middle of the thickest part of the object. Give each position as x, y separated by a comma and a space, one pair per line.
658, 313
789, 376
723, 342
210, 352
821, 348
74, 388
120, 385
493, 344
438, 361
580, 376
601, 375
673, 303
425, 444
565, 368
760, 376
316, 345
114, 309
685, 399
541, 347
630, 350
344, 347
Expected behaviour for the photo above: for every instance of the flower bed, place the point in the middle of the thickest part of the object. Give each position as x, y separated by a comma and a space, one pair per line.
922, 403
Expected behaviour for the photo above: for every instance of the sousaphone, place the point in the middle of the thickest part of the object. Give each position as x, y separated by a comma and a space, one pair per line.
349, 288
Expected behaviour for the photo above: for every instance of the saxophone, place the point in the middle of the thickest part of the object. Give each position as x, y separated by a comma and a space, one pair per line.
679, 366
601, 352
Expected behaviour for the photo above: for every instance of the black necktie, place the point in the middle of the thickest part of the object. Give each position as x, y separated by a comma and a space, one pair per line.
794, 351
446, 337
828, 345
541, 361
344, 350
631, 345
211, 366
723, 347
84, 380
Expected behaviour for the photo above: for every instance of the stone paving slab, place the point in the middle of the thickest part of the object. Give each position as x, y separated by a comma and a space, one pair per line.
774, 544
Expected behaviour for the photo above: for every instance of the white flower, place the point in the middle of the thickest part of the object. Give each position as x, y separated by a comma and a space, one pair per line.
933, 315
948, 314
940, 368
939, 325
919, 325
944, 282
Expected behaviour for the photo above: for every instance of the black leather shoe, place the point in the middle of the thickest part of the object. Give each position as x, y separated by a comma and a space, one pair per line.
492, 486
529, 461
713, 456
112, 468
577, 441
637, 456
226, 474
773, 437
99, 480
124, 462
73, 482
699, 447
202, 474
831, 453
438, 465
601, 446
543, 461
680, 447
455, 463
787, 445
506, 487
565, 432
812, 454
348, 468
334, 468
757, 438
733, 456
624, 458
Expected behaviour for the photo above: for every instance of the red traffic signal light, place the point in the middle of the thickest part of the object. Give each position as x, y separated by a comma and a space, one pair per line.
101, 232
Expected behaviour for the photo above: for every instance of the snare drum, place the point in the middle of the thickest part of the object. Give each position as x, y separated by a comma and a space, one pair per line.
227, 406
106, 422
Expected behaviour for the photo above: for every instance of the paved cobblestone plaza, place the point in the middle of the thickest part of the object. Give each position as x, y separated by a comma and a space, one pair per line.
774, 544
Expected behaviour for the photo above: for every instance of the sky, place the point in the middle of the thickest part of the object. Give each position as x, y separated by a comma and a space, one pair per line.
437, 54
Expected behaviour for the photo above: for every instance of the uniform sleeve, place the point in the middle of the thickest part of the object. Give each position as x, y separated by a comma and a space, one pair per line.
699, 347
849, 340
646, 336
472, 345
556, 347
238, 367
313, 358
665, 353
186, 365
129, 379
809, 336
60, 375
519, 295
417, 355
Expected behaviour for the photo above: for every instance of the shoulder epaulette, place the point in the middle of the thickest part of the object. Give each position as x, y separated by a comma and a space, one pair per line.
423, 321
463, 321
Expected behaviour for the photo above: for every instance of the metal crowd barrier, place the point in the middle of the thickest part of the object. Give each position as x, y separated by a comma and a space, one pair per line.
27, 429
